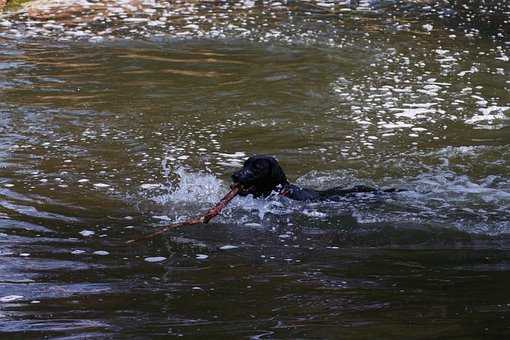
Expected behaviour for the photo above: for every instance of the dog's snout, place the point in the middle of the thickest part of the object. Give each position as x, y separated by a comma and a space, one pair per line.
236, 177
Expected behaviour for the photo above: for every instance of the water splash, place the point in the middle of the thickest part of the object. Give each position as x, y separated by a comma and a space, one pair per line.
195, 187
438, 196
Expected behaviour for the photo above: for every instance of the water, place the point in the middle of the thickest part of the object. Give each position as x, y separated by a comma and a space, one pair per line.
118, 124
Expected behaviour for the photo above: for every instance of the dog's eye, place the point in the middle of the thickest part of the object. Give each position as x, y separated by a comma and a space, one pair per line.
258, 166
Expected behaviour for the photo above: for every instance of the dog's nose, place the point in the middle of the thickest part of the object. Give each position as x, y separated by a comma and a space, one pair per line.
235, 177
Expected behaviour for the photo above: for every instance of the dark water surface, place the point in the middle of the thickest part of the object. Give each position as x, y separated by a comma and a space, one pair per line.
113, 127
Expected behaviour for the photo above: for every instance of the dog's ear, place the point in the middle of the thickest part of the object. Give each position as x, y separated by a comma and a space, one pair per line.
277, 173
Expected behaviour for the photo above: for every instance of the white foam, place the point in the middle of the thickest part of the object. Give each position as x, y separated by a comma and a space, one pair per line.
192, 187
150, 186
489, 114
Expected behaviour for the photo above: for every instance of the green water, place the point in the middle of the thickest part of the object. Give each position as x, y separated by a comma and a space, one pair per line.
115, 126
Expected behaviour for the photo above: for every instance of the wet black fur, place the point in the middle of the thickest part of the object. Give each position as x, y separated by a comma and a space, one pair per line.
261, 175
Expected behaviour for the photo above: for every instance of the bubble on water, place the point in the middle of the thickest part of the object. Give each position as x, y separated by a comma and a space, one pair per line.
162, 217
315, 214
150, 186
101, 185
11, 298
78, 252
427, 27
87, 233
503, 58
155, 259
101, 252
228, 247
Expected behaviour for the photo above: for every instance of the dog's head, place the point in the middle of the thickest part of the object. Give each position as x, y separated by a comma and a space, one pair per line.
259, 176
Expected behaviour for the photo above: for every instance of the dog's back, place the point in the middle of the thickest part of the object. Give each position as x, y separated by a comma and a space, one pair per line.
303, 194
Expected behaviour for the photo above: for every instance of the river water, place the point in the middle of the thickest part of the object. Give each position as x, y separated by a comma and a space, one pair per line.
122, 122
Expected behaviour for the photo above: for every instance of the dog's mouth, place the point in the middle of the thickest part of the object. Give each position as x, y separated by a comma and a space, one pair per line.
243, 188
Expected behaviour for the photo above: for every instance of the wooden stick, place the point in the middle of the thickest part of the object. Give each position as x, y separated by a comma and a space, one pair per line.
205, 218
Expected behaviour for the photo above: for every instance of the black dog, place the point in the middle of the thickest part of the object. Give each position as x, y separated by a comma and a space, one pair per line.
261, 175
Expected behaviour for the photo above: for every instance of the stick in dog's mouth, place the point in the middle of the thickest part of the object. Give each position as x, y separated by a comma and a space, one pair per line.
241, 187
